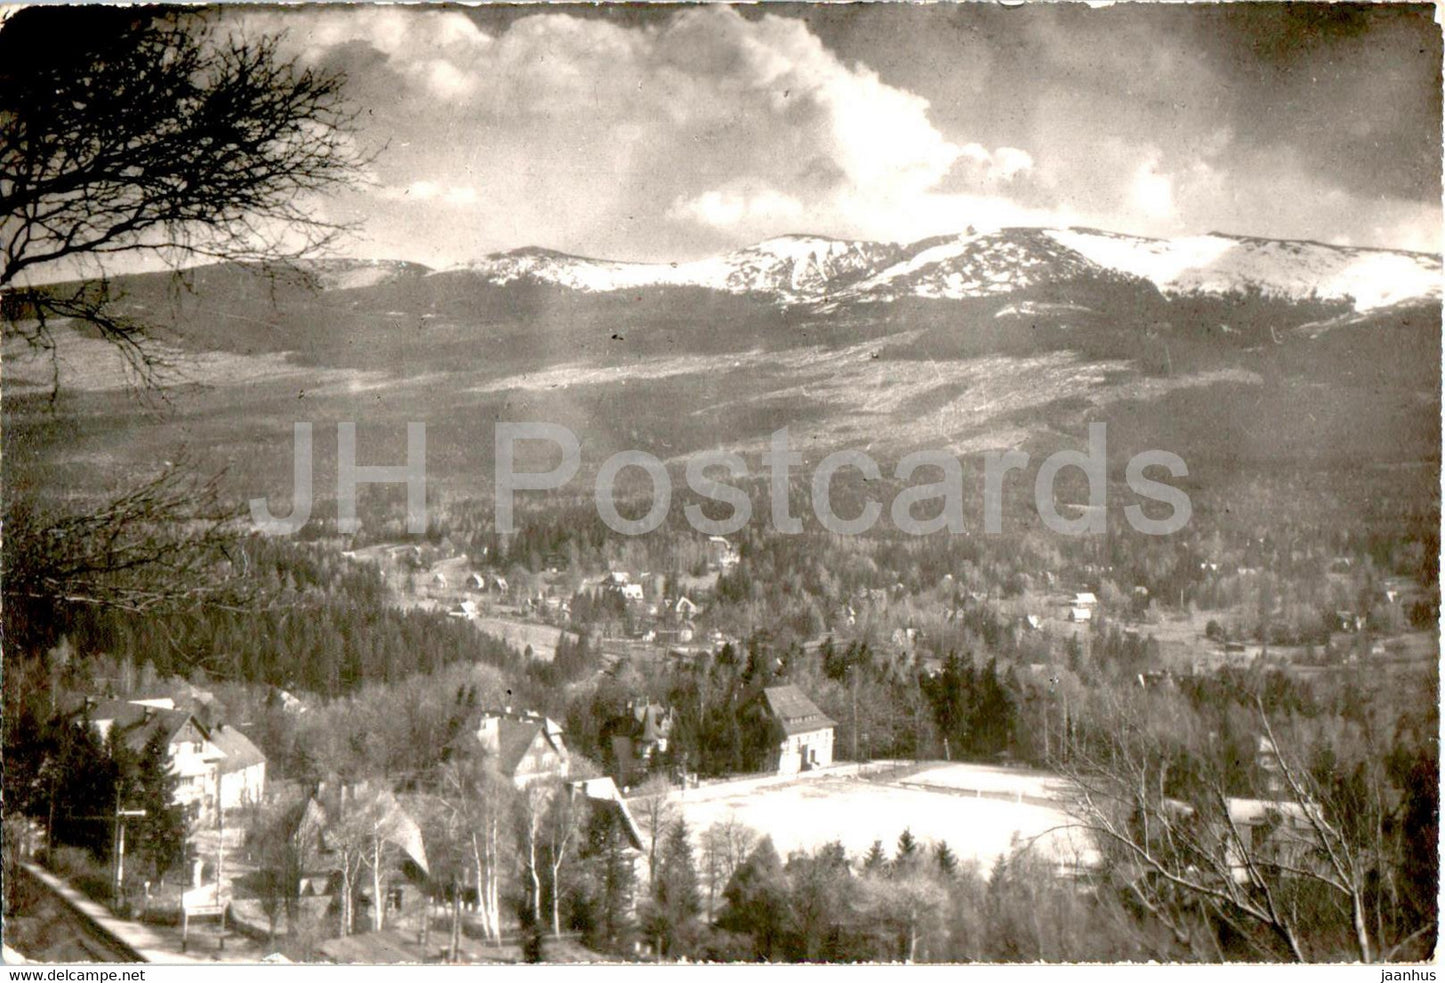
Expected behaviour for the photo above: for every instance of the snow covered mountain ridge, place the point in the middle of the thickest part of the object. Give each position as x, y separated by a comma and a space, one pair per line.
802, 269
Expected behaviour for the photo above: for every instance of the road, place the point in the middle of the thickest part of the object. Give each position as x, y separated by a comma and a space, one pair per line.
48, 929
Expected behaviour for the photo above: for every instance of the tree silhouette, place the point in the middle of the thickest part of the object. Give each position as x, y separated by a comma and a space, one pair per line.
128, 131
161, 832
157, 136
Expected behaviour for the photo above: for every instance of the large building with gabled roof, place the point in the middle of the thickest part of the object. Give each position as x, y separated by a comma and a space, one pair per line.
803, 732
194, 758
527, 746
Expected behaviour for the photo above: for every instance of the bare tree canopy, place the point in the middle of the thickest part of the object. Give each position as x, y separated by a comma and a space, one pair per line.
157, 544
160, 133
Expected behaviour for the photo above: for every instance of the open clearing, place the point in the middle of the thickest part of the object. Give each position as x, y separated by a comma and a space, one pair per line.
988, 780
811, 811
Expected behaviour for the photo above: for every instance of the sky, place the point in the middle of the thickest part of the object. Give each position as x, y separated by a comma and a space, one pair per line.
670, 133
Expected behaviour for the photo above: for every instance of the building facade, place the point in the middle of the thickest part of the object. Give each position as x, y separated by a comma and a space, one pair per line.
804, 733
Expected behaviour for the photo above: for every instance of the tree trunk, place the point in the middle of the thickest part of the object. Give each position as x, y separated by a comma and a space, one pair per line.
1362, 930
483, 876
556, 900
378, 903
456, 933
536, 883
345, 899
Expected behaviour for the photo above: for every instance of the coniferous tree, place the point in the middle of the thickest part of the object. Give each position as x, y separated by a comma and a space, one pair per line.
946, 860
84, 782
875, 859
907, 852
757, 901
605, 912
161, 838
676, 899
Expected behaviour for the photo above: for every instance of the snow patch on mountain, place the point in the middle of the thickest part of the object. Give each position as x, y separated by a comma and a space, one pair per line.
581, 273
804, 267
979, 265
1219, 264
356, 274
797, 269
792, 267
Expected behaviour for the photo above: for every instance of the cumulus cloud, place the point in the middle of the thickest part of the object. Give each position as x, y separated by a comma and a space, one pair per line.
654, 140
679, 133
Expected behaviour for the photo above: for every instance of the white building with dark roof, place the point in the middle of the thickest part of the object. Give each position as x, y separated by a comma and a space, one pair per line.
804, 733
526, 746
242, 770
195, 759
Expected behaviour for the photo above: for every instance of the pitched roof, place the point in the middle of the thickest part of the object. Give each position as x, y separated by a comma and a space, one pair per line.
656, 721
240, 752
514, 737
603, 794
137, 723
794, 712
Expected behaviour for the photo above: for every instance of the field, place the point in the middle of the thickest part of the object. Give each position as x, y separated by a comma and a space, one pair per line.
985, 780
967, 806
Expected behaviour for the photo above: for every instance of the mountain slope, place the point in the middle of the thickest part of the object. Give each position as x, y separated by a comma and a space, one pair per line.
1296, 270
792, 268
813, 269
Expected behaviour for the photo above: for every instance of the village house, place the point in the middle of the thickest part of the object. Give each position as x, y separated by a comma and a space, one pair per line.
194, 759
466, 609
602, 794
638, 737
1276, 830
721, 553
805, 733
243, 769
528, 747
320, 830
620, 582
682, 634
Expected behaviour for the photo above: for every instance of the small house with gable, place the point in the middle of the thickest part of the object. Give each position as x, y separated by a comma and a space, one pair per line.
804, 733
528, 747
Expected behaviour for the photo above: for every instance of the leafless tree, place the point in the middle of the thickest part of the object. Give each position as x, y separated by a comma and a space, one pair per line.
1276, 865
152, 133
656, 811
170, 541
562, 829
369, 831
533, 804
477, 801
138, 131
725, 845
